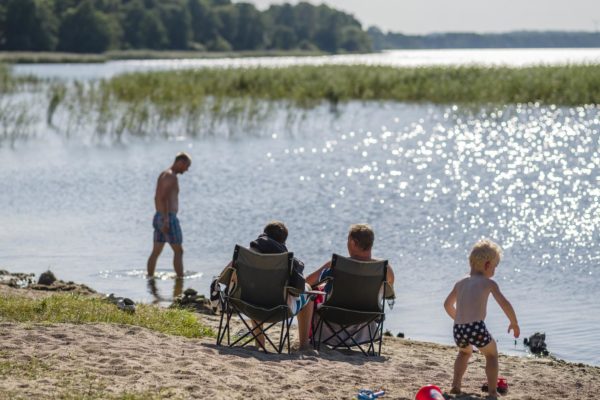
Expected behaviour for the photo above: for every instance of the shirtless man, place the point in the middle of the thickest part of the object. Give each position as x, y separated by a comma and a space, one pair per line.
166, 225
467, 304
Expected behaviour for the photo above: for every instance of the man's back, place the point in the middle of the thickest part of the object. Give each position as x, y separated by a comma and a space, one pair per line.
167, 191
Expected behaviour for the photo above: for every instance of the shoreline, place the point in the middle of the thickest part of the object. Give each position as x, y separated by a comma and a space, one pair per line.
104, 360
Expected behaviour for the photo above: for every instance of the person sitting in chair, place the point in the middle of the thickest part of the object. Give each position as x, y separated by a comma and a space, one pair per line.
272, 241
360, 245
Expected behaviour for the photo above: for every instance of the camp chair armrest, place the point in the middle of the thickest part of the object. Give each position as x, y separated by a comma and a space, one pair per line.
390, 294
293, 291
225, 276
322, 281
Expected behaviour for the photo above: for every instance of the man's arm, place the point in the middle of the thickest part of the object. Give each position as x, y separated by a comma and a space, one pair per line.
313, 278
450, 302
390, 275
507, 308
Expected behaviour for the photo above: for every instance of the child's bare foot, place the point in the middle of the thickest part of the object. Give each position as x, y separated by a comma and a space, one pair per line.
455, 390
492, 396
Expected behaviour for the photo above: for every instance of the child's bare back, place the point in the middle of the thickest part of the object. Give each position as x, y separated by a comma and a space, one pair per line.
472, 293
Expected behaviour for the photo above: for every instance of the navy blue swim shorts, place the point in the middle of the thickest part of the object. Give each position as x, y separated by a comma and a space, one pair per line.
174, 236
474, 333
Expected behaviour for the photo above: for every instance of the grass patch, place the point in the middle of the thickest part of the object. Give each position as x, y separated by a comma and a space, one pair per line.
304, 85
75, 309
32, 368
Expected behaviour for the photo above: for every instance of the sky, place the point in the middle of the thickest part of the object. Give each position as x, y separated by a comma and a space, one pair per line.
482, 16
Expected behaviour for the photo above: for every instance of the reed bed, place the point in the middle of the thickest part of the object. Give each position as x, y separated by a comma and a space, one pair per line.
306, 85
221, 102
75, 309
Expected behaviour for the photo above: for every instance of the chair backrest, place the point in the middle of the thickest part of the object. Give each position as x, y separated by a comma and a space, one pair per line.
356, 284
261, 278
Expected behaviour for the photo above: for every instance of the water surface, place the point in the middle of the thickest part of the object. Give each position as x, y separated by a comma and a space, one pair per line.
430, 179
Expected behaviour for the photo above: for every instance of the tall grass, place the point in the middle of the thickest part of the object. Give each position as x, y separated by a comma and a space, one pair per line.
204, 101
69, 308
305, 85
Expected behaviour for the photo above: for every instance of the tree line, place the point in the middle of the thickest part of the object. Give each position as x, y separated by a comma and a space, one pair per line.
96, 26
518, 39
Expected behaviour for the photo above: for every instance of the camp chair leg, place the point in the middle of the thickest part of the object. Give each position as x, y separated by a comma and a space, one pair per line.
350, 341
221, 333
250, 335
380, 336
223, 329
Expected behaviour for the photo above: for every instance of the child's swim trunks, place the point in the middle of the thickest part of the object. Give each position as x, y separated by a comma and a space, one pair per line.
174, 236
474, 333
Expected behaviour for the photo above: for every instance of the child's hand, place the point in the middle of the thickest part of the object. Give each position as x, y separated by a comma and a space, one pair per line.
515, 328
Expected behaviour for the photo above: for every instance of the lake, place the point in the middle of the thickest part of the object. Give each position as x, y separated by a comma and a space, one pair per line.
431, 180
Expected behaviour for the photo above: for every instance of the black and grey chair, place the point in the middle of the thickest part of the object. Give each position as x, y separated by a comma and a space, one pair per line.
257, 290
353, 312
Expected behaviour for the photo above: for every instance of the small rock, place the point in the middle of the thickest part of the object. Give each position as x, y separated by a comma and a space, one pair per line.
400, 335
47, 278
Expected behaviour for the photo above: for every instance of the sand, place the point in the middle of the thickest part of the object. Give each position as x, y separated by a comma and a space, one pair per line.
104, 361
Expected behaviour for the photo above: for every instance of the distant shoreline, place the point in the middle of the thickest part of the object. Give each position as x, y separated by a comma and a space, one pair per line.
29, 57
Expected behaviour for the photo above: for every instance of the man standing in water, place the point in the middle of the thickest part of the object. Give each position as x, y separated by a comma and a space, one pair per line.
166, 225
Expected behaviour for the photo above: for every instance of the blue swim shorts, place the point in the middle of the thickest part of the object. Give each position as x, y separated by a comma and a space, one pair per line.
474, 333
174, 236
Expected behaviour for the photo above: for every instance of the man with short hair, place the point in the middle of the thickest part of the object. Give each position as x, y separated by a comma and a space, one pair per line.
166, 225
360, 244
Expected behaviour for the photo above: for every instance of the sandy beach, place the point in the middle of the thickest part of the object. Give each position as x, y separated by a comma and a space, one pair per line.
121, 361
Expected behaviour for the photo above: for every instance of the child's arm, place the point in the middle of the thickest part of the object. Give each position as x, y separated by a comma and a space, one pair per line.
449, 303
507, 308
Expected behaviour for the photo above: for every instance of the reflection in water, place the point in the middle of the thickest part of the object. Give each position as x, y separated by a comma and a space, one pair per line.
157, 298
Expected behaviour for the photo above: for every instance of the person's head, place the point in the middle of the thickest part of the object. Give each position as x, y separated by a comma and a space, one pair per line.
485, 257
277, 231
360, 238
182, 163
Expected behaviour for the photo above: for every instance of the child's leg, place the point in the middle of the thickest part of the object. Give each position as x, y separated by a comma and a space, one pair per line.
490, 351
460, 366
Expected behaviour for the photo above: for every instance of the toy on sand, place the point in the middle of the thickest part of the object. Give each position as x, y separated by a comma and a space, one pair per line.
501, 386
429, 392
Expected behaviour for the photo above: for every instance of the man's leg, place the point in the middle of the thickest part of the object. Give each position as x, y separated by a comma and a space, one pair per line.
156, 250
304, 322
490, 351
177, 259
178, 287
460, 367
259, 337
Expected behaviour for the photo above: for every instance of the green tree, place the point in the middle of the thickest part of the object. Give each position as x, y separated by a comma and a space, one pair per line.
283, 37
29, 25
176, 20
354, 39
85, 30
132, 16
153, 32
250, 33
203, 20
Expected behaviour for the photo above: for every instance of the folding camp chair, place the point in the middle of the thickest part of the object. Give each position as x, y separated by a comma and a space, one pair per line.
354, 306
259, 293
